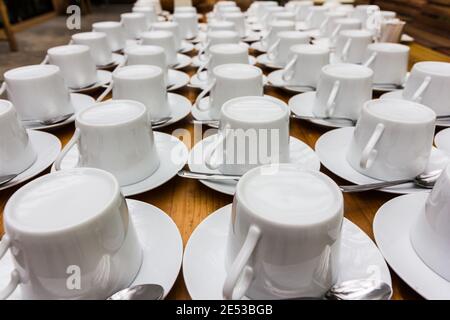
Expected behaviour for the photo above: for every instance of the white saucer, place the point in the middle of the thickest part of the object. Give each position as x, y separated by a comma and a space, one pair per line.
79, 102
47, 147
301, 154
183, 61
117, 59
332, 147
197, 63
442, 140
172, 153
180, 107
161, 243
201, 84
302, 105
204, 257
398, 94
266, 62
103, 78
302, 26
275, 78
177, 79
252, 36
258, 46
186, 47
391, 228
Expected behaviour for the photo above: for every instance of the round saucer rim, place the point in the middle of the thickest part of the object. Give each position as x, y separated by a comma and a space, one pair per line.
47, 147
175, 100
262, 59
220, 214
183, 61
439, 137
274, 75
419, 275
103, 77
179, 75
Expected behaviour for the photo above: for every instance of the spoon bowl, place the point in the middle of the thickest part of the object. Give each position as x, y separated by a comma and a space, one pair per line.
140, 292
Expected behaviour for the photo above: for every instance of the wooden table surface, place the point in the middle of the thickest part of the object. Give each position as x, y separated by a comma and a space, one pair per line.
188, 201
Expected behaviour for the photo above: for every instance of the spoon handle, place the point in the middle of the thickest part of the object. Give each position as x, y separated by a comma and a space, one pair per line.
373, 186
351, 121
206, 176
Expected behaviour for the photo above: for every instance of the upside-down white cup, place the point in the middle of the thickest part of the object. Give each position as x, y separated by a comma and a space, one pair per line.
221, 25
351, 45
263, 7
342, 90
344, 24
315, 16
230, 81
301, 8
238, 18
429, 84
134, 23
275, 27
328, 26
188, 23
285, 234
98, 45
279, 51
305, 63
164, 39
89, 252
114, 125
217, 37
363, 12
149, 12
171, 26
148, 55
253, 130
16, 152
224, 53
430, 232
185, 9
145, 84
115, 33
76, 64
38, 92
389, 62
381, 146
267, 17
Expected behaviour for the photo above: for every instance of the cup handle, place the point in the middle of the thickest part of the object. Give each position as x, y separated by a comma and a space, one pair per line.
417, 97
75, 138
336, 31
14, 281
273, 50
345, 50
202, 53
308, 18
369, 152
105, 92
332, 98
370, 60
240, 275
46, 59
2, 88
323, 25
288, 73
211, 152
203, 94
201, 69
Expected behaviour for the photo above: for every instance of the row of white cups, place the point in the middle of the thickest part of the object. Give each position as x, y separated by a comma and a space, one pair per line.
263, 250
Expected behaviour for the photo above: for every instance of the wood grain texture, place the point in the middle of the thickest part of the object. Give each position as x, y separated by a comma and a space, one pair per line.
188, 201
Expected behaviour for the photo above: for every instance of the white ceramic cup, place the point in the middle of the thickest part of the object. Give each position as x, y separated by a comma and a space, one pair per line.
149, 12
430, 232
38, 92
171, 26
275, 27
284, 238
238, 18
185, 9
76, 64
253, 130
263, 9
224, 53
217, 37
283, 15
230, 81
224, 10
155, 4
148, 55
145, 84
301, 8
363, 12
351, 45
115, 33
89, 252
267, 17
114, 125
98, 45
279, 51
16, 152
221, 25
429, 84
342, 90
389, 62
164, 39
315, 16
382, 146
328, 26
188, 23
305, 63
134, 23
344, 24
